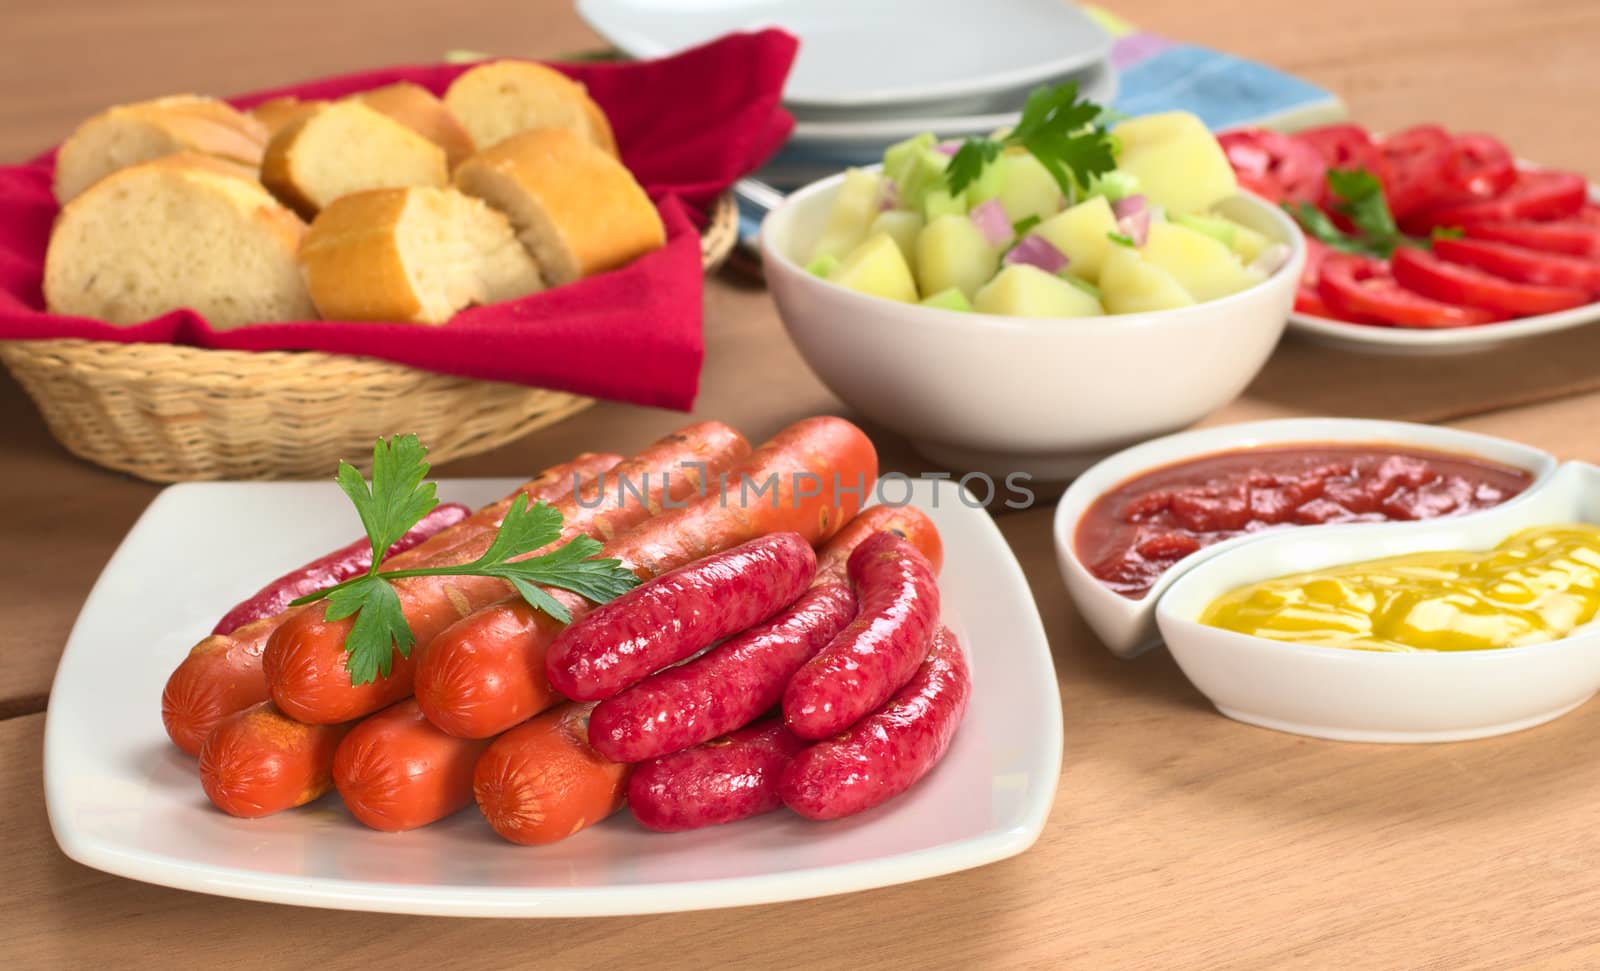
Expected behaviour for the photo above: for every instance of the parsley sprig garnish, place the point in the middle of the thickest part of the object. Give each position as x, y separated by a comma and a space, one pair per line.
1066, 135
1358, 195
394, 502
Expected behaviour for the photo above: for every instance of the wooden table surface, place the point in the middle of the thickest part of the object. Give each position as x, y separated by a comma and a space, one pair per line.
1178, 838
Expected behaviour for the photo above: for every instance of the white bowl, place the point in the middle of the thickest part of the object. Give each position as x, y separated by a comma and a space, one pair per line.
1046, 397
1370, 696
1128, 626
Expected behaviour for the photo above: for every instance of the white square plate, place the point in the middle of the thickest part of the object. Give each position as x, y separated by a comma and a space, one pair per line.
124, 800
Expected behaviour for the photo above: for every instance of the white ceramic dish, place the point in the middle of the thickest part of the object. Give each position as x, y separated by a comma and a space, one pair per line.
123, 800
993, 394
856, 53
1128, 627
1370, 696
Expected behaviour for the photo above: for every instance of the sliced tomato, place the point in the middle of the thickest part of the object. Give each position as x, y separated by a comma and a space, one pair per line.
1415, 159
1345, 147
1478, 167
1522, 265
1589, 215
1535, 195
1306, 299
1430, 276
1364, 288
1572, 236
1274, 166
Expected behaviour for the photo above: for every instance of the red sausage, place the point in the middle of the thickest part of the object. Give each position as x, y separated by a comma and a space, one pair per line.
897, 611
260, 761
722, 781
395, 771
726, 688
888, 751
336, 567
666, 619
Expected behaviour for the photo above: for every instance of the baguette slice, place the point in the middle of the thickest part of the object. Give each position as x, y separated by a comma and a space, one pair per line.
126, 135
184, 230
278, 113
347, 147
502, 98
417, 108
576, 208
415, 254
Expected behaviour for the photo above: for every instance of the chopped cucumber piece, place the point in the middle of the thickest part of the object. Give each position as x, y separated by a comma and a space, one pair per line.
823, 265
1113, 185
950, 299
902, 227
939, 202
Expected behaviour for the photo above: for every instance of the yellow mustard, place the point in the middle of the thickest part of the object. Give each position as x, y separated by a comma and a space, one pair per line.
1538, 585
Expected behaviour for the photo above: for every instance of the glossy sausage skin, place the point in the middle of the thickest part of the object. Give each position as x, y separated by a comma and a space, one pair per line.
722, 781
542, 782
888, 751
305, 659
224, 673
897, 610
260, 761
334, 568
725, 688
907, 522
395, 771
669, 618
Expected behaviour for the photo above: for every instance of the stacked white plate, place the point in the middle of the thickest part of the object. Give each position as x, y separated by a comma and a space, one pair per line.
873, 72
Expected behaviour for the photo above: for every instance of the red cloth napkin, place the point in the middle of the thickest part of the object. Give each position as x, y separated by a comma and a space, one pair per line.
688, 127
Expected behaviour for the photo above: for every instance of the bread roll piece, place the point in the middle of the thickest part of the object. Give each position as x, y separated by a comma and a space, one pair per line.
347, 147
181, 231
126, 135
502, 98
576, 208
416, 255
278, 113
417, 108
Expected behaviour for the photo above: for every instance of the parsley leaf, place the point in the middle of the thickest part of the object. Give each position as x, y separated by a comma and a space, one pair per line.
392, 504
1358, 195
397, 499
1065, 134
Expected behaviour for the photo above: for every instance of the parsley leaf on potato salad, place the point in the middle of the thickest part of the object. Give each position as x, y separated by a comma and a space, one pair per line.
394, 501
1074, 212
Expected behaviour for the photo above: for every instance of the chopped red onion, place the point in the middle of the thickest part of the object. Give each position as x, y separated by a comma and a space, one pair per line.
1136, 227
1037, 251
992, 222
947, 148
1129, 206
889, 195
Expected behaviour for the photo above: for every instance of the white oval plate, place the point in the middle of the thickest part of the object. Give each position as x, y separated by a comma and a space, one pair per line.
1371, 696
856, 53
122, 799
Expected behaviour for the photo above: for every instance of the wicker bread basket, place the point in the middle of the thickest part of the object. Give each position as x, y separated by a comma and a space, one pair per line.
171, 413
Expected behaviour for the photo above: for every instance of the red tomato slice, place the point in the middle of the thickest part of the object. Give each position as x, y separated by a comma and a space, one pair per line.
1365, 289
1589, 215
1273, 165
1479, 167
1535, 195
1452, 283
1521, 265
1346, 147
1572, 237
1415, 158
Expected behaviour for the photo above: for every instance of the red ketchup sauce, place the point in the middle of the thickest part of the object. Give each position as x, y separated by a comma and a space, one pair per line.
1135, 532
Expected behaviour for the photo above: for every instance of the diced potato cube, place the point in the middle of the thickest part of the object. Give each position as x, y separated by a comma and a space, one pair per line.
1177, 161
877, 268
952, 252
1129, 284
903, 227
1080, 234
1021, 290
1202, 265
854, 207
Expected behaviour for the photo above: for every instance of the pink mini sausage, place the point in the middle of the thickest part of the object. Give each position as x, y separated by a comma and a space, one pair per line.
889, 750
731, 778
336, 567
726, 688
897, 608
667, 619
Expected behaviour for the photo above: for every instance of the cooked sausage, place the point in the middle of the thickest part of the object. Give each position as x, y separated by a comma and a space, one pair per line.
724, 780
